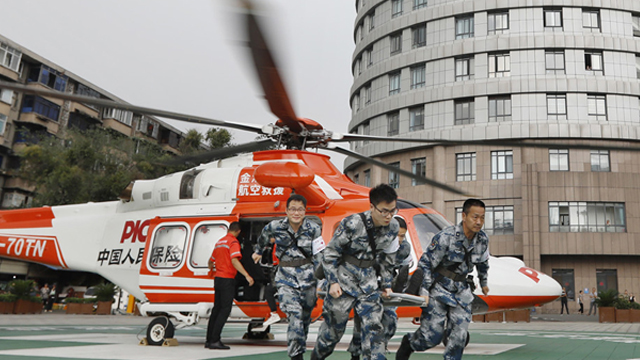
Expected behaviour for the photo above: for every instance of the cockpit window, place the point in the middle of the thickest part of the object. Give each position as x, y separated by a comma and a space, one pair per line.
427, 225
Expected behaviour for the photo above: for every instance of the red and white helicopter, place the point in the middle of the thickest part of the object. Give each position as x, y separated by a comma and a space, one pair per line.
155, 243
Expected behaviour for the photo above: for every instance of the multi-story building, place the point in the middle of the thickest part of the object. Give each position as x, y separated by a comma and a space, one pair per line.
565, 72
22, 115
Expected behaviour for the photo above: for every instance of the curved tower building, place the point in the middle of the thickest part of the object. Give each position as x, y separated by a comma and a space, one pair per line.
556, 71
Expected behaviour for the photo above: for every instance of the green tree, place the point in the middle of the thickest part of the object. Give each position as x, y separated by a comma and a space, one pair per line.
192, 142
93, 165
217, 138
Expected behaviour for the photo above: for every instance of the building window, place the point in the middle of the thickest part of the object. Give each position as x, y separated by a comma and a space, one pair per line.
558, 160
593, 63
356, 103
556, 106
6, 96
600, 160
418, 167
498, 220
591, 20
502, 165
3, 123
41, 106
122, 116
499, 65
607, 279
635, 20
416, 118
417, 4
554, 61
365, 129
498, 23
582, 216
464, 112
369, 56
499, 108
419, 36
417, 76
394, 177
597, 107
48, 77
356, 178
464, 27
372, 20
393, 124
367, 94
638, 66
394, 83
10, 57
566, 279
367, 178
466, 167
464, 68
395, 43
357, 67
552, 19
396, 8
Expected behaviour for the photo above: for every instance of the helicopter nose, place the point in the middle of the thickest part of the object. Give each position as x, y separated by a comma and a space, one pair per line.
548, 285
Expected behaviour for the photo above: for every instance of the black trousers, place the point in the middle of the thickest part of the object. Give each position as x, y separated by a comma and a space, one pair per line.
225, 291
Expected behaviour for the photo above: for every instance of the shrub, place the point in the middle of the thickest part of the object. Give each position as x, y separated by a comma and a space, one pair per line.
105, 291
622, 303
607, 298
22, 289
12, 298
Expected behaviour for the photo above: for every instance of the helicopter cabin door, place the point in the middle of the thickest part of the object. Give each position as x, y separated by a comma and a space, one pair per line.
177, 251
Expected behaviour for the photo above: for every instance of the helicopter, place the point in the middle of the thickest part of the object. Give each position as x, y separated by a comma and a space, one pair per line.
155, 241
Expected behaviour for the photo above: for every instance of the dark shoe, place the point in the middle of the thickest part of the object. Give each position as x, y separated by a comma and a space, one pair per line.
297, 357
314, 356
355, 357
404, 351
218, 345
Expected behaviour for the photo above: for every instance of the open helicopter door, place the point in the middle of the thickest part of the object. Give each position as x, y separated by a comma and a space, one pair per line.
174, 274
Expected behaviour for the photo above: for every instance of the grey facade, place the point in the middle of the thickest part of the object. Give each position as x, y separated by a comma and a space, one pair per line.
561, 71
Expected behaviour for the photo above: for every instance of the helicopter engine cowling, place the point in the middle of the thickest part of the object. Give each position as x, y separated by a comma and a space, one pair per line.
292, 175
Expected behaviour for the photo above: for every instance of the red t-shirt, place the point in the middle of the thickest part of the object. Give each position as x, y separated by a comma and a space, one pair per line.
226, 249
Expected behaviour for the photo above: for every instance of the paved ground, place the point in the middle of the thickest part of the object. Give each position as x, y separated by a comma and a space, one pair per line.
546, 337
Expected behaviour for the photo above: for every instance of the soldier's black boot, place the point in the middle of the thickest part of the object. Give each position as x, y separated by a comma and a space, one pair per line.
314, 356
355, 357
297, 357
404, 351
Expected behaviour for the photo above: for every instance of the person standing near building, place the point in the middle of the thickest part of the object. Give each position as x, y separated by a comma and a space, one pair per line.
592, 301
389, 316
44, 295
446, 264
349, 266
580, 299
226, 261
299, 245
564, 301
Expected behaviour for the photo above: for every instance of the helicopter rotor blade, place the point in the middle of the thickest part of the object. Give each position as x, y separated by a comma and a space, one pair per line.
524, 143
397, 170
221, 153
123, 106
274, 90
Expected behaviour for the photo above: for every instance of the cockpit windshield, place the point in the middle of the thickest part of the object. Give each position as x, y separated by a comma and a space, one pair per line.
427, 225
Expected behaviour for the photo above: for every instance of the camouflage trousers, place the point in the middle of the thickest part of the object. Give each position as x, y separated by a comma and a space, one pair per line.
297, 304
432, 328
389, 326
368, 308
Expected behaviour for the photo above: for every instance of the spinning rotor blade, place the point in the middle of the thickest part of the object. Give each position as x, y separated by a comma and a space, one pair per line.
272, 84
394, 169
221, 153
137, 109
511, 143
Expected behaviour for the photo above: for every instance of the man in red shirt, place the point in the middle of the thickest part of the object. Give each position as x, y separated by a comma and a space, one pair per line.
226, 257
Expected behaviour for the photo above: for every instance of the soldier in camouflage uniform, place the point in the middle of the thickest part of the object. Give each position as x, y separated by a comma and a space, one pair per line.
349, 261
298, 247
389, 316
446, 263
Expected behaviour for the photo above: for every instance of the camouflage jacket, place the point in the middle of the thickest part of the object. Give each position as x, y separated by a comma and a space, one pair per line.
301, 277
351, 238
447, 248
